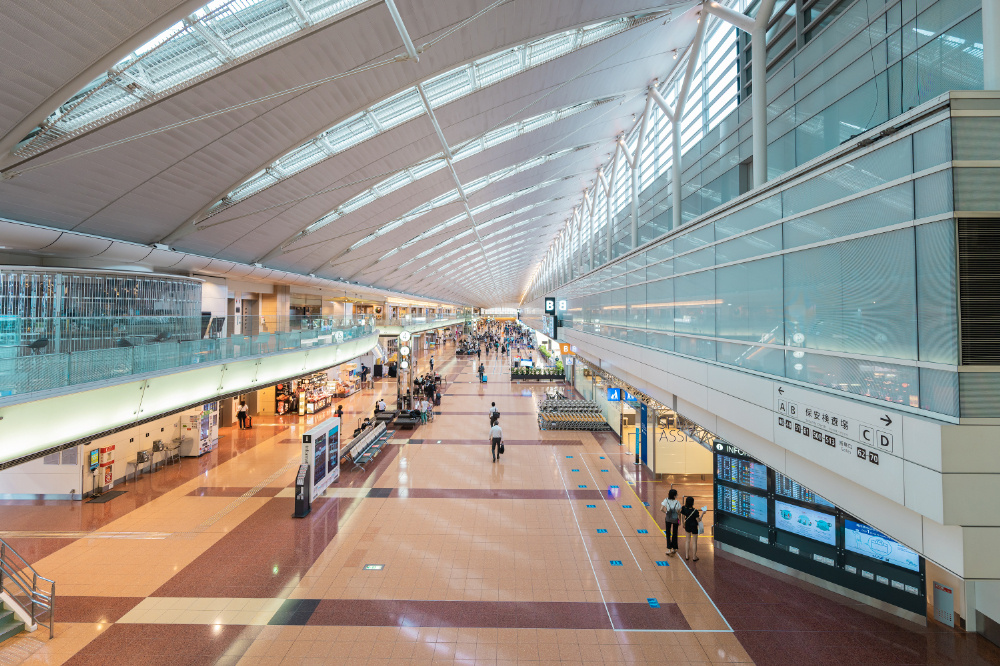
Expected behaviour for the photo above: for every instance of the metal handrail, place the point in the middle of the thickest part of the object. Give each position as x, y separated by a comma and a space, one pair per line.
39, 600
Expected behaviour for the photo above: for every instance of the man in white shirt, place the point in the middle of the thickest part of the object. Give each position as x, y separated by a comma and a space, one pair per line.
428, 408
496, 436
494, 414
381, 405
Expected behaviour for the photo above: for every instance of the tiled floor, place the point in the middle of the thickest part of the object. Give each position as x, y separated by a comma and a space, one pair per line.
549, 556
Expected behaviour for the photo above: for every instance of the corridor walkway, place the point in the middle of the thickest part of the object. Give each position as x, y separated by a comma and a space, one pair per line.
435, 555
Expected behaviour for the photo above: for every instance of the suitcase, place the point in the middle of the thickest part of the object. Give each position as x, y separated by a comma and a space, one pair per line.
437, 400
249, 422
484, 379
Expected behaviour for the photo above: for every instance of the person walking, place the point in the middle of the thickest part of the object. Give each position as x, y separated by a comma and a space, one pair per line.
432, 366
692, 524
496, 438
241, 414
482, 371
672, 510
494, 414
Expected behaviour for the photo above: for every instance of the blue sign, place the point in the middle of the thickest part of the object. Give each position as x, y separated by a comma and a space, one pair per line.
614, 394
643, 433
628, 397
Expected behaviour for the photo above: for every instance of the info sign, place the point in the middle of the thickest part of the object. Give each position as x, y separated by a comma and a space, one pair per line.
321, 451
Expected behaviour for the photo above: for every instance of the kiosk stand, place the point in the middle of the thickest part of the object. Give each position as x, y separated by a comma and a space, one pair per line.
321, 456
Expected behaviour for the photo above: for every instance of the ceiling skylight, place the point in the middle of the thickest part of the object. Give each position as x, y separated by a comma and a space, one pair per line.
406, 105
218, 34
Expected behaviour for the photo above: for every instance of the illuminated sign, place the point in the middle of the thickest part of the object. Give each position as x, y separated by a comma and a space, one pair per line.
614, 394
550, 306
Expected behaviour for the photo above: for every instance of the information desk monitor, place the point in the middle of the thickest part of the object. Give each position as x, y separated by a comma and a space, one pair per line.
741, 503
743, 472
789, 487
868, 541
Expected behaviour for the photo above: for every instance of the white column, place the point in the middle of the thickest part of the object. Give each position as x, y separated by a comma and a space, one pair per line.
593, 227
991, 44
636, 165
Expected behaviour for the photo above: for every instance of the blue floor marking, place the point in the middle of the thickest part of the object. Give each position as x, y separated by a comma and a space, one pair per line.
662, 563
591, 506
605, 470
601, 531
643, 531
569, 456
616, 563
646, 503
583, 486
653, 603
602, 457
574, 470
626, 506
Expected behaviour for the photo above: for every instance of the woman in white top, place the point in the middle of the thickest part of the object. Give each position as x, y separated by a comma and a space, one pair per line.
672, 508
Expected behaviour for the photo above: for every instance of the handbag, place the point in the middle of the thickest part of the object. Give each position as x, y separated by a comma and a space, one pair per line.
501, 447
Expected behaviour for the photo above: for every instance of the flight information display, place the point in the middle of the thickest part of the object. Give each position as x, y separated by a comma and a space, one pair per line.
864, 540
789, 487
741, 503
811, 524
743, 472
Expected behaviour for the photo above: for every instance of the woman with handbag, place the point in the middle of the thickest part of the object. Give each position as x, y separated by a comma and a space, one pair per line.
672, 508
692, 525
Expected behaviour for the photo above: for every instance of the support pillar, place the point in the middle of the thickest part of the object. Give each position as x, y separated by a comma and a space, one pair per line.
991, 44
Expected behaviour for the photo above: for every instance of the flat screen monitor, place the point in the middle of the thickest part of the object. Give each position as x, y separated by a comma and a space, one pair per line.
743, 472
319, 462
789, 487
741, 503
95, 460
810, 524
864, 540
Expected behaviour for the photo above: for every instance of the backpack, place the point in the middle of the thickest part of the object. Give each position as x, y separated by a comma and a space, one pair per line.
672, 512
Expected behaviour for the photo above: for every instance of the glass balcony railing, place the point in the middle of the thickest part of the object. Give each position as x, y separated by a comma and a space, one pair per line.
413, 320
47, 353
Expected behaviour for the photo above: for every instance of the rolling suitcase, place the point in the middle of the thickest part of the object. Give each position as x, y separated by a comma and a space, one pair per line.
484, 378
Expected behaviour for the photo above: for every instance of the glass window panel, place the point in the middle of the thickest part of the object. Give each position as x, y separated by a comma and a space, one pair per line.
749, 301
695, 301
764, 241
883, 381
937, 293
880, 209
858, 296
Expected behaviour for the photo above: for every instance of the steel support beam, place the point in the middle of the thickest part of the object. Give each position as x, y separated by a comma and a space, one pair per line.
411, 50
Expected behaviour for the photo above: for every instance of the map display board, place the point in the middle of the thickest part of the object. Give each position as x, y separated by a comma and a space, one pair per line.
810, 524
321, 451
864, 540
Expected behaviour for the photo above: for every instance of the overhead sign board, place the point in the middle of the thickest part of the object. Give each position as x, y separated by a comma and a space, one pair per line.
614, 394
550, 306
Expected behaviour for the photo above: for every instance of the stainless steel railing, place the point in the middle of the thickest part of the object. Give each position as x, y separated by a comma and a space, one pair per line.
35, 594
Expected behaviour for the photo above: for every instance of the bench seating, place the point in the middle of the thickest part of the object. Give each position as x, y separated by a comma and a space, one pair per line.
386, 417
366, 446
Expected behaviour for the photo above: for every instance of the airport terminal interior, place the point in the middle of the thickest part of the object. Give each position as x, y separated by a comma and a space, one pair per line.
495, 332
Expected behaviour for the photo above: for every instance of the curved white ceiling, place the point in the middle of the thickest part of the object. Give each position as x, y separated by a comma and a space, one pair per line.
385, 208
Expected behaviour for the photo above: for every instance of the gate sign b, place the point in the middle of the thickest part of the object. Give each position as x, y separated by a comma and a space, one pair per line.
550, 306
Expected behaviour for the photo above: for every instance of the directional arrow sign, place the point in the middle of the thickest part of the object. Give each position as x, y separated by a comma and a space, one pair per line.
781, 391
886, 420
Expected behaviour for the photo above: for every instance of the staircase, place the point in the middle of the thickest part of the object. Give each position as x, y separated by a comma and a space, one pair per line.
28, 600
9, 624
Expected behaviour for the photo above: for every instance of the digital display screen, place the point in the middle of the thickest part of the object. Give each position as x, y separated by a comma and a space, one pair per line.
743, 472
319, 458
805, 522
789, 487
741, 503
334, 443
95, 459
549, 326
864, 540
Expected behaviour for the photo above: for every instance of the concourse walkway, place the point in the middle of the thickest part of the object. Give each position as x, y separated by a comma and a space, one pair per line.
434, 555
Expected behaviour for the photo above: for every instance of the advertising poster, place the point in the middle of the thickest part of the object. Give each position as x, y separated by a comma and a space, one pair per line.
805, 522
864, 540
319, 458
333, 443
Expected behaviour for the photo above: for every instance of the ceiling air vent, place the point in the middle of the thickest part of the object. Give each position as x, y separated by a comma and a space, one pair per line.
979, 290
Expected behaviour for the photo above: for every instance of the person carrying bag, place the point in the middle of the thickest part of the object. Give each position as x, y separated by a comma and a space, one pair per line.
692, 525
672, 509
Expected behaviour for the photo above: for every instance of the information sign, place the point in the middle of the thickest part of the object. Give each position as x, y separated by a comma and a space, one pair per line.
805, 522
865, 540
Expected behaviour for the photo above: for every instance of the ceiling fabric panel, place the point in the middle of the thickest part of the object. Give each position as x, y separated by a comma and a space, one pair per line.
384, 207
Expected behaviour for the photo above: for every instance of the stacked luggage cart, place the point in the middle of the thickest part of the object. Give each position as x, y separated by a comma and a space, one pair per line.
570, 415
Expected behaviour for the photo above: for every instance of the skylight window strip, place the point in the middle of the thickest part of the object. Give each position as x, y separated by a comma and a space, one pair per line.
210, 38
450, 86
398, 109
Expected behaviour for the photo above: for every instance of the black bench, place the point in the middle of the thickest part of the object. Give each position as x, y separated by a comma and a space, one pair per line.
404, 420
386, 417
